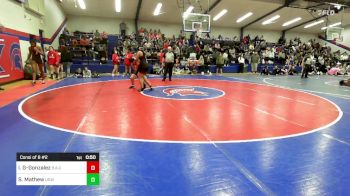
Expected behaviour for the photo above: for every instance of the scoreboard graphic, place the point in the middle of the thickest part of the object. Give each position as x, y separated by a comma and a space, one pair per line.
11, 67
58, 169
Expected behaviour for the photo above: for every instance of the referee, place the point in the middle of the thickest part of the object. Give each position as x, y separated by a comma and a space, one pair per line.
306, 64
169, 63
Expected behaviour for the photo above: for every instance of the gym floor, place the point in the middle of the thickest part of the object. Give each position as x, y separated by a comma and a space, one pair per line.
196, 135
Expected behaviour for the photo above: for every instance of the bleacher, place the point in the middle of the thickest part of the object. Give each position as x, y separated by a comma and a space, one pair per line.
85, 58
95, 66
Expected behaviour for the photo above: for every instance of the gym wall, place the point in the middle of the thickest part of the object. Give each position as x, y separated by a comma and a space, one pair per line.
346, 37
14, 16
89, 24
111, 25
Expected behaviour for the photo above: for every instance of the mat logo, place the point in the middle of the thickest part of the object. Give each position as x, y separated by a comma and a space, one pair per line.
184, 92
15, 56
10, 58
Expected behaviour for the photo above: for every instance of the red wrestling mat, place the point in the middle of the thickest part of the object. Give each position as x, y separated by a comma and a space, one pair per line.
10, 95
182, 110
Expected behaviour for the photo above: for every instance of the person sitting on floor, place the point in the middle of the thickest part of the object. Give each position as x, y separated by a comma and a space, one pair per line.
95, 74
334, 71
87, 73
276, 70
264, 70
284, 70
292, 70
344, 82
78, 73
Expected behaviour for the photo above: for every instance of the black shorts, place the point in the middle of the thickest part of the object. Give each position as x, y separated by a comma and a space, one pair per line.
219, 65
143, 68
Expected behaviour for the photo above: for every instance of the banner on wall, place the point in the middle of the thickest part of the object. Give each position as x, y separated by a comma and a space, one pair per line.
10, 59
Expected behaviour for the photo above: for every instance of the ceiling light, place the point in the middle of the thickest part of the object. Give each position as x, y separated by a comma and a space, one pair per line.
118, 5
270, 20
332, 25
188, 11
337, 5
157, 10
244, 17
313, 24
291, 21
219, 15
81, 4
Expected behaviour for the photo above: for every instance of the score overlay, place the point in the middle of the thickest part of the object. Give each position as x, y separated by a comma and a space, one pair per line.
57, 169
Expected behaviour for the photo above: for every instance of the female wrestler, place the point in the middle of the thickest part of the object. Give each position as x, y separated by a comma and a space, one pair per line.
141, 68
34, 57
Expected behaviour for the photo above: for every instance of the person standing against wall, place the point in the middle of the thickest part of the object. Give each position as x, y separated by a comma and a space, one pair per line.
255, 61
66, 59
53, 62
115, 60
122, 27
219, 62
169, 63
241, 62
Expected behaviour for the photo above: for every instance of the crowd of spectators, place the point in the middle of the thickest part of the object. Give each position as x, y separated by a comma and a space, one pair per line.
197, 52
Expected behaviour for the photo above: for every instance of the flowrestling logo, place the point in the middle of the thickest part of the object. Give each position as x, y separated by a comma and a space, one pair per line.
184, 92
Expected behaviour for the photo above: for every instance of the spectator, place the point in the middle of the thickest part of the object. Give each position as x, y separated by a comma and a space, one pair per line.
85, 42
219, 62
66, 59
225, 56
345, 82
291, 51
264, 70
53, 62
78, 73
161, 58
207, 62
116, 62
123, 27
334, 71
97, 34
284, 70
276, 70
201, 64
241, 62
87, 73
292, 70
255, 60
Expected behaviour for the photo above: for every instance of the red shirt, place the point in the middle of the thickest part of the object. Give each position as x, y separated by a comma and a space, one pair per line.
161, 57
115, 59
127, 59
53, 58
165, 46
